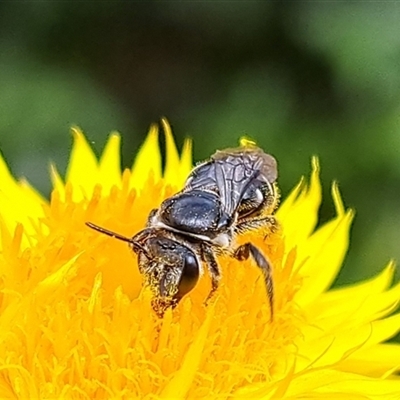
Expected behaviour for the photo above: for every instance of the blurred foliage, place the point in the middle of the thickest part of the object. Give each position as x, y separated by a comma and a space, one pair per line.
301, 78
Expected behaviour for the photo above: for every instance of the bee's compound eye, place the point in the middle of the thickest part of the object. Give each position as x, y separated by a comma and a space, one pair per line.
190, 275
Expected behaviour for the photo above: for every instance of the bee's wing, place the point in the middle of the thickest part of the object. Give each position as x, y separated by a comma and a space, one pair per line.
236, 171
229, 173
202, 177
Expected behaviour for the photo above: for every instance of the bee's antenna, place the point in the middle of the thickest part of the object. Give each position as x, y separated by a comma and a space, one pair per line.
109, 233
135, 245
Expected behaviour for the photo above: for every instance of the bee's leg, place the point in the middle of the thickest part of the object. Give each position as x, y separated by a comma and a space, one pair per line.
212, 265
246, 250
267, 223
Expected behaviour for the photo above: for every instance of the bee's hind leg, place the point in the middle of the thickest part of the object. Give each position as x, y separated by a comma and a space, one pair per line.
246, 250
213, 267
267, 225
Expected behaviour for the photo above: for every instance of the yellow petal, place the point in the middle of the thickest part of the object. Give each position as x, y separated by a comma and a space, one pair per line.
95, 294
186, 160
172, 173
323, 348
57, 181
327, 384
18, 202
61, 277
370, 287
374, 361
337, 200
181, 382
82, 171
32, 195
324, 252
148, 160
354, 310
299, 213
110, 163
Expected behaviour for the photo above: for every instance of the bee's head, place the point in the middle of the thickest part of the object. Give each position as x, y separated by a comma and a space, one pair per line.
170, 269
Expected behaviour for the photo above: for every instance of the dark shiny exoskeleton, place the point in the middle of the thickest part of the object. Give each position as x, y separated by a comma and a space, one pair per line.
233, 192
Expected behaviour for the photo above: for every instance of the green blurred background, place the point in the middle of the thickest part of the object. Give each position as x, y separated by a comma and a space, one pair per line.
301, 78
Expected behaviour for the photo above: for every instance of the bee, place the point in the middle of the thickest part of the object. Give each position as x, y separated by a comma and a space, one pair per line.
233, 192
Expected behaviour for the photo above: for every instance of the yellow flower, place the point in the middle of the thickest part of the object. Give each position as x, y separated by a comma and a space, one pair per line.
75, 322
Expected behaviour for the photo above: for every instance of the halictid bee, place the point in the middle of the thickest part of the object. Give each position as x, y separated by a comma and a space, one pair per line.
233, 192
